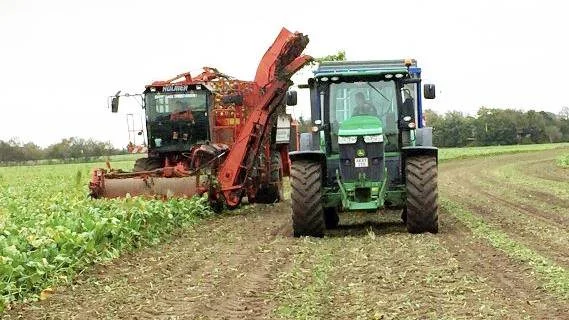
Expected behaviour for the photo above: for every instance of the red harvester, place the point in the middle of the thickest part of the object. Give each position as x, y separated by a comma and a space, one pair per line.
215, 134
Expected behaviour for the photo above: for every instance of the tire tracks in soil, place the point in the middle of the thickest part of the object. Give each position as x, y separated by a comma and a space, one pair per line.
222, 269
545, 169
515, 283
460, 183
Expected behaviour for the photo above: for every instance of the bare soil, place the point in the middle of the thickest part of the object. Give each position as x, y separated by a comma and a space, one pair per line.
245, 264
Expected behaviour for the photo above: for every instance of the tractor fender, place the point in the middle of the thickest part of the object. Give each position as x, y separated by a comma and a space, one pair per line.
420, 151
315, 156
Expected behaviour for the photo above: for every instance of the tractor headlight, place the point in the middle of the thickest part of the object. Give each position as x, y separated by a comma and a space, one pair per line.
373, 139
347, 140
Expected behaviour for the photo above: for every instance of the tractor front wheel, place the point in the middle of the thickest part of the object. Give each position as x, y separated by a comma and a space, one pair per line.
422, 195
306, 198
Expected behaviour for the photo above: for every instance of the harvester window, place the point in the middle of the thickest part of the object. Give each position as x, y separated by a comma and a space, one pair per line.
158, 104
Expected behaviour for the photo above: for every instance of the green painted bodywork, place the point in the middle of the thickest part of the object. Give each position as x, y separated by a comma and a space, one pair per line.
380, 194
373, 202
361, 125
348, 198
342, 195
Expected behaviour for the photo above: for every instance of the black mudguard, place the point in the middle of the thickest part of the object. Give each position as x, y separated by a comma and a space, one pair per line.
420, 151
316, 156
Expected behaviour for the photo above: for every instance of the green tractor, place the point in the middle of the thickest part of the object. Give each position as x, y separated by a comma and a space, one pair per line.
367, 149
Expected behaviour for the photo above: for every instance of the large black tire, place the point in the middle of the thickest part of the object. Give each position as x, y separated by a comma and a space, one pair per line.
147, 164
272, 192
422, 194
306, 198
331, 218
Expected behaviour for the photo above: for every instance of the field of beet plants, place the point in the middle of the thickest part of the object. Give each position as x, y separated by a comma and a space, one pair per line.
50, 229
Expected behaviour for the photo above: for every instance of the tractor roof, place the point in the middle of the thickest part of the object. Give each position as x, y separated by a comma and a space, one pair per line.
363, 68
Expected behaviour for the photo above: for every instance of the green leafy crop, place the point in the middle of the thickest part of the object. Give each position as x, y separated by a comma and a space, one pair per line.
50, 229
563, 161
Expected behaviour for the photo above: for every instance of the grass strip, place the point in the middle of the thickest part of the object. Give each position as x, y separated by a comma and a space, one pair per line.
554, 277
446, 154
563, 161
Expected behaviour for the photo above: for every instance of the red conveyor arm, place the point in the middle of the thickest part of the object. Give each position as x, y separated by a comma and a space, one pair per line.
272, 80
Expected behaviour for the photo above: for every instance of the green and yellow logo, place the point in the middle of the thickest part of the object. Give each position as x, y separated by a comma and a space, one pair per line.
360, 153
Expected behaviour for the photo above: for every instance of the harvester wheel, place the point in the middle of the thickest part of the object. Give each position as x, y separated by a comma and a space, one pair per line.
422, 194
216, 203
147, 164
306, 197
331, 218
272, 192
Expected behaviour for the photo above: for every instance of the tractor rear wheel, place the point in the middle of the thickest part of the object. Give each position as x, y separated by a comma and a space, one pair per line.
306, 198
272, 192
147, 164
422, 194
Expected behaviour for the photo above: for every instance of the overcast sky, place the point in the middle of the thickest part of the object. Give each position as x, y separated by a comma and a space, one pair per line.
60, 60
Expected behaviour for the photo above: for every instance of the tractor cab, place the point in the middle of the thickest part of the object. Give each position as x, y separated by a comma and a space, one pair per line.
367, 98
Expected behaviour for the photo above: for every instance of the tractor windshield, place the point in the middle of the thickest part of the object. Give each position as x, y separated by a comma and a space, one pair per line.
349, 99
160, 104
363, 98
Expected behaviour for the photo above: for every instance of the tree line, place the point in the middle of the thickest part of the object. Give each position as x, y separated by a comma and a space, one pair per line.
491, 126
71, 149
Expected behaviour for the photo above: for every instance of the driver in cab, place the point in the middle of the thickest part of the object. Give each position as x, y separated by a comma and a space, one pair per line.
363, 107
182, 113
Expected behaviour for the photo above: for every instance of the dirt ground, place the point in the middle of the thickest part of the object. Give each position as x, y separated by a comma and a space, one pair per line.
246, 264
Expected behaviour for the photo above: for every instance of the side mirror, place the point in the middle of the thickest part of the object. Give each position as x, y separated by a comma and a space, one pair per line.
115, 104
429, 91
291, 98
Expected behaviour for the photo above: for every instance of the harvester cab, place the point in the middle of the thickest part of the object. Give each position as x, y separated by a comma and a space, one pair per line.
177, 116
368, 148
215, 134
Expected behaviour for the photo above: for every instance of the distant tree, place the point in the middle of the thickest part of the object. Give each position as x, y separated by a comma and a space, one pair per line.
493, 126
553, 133
564, 113
536, 126
338, 56
32, 152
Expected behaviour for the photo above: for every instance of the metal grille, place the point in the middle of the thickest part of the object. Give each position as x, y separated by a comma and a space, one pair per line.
374, 153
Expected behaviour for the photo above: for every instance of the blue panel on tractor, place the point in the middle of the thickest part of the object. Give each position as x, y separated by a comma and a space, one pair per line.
415, 72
